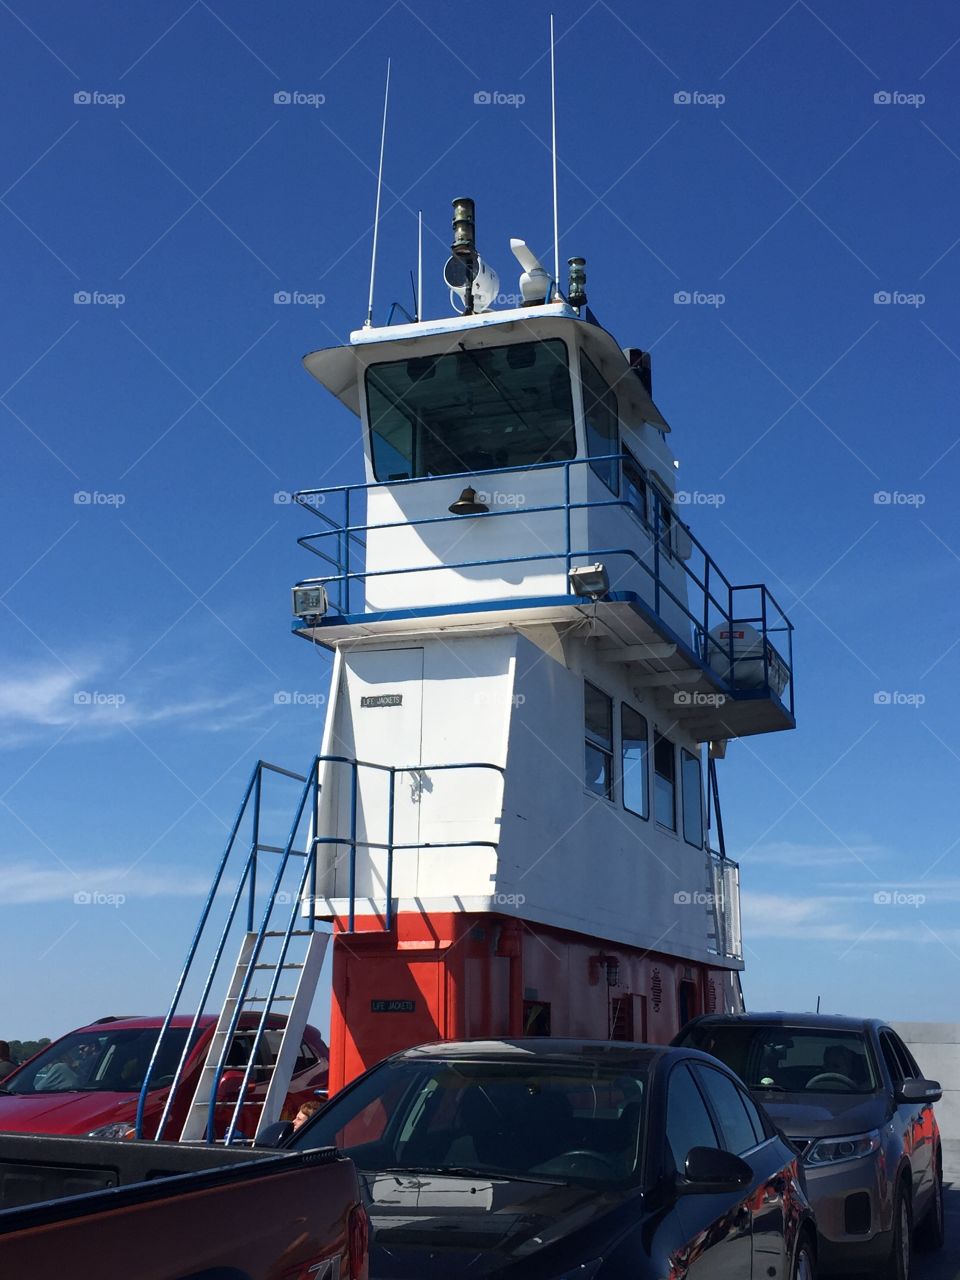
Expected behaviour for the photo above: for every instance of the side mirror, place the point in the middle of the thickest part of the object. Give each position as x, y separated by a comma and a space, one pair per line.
920, 1091
275, 1135
709, 1171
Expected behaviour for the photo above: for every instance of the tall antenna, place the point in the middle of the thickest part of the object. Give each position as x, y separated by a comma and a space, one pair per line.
376, 216
419, 265
553, 114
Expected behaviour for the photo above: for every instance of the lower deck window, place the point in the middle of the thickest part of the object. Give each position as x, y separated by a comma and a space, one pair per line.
598, 741
692, 781
665, 781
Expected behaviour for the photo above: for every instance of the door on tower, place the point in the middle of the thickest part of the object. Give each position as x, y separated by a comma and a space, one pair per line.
380, 722
388, 1003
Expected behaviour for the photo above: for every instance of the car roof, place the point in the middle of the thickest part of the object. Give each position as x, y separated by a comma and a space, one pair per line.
778, 1018
143, 1024
541, 1048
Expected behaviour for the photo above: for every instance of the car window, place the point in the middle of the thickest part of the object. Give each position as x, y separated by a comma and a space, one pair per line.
688, 1120
789, 1059
739, 1133
899, 1063
907, 1065
306, 1058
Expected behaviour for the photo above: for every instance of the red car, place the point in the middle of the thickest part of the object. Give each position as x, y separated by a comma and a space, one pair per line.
89, 1080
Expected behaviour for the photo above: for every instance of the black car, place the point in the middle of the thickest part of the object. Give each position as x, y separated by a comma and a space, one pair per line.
850, 1095
555, 1159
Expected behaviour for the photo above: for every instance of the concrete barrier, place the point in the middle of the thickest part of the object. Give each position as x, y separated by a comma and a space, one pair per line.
936, 1047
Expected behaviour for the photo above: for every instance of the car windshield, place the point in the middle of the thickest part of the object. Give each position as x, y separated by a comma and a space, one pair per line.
790, 1059
101, 1060
471, 410
578, 1122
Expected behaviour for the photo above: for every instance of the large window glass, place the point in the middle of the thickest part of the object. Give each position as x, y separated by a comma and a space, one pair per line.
476, 409
692, 783
739, 1119
665, 781
503, 1118
789, 1059
102, 1061
598, 726
634, 749
601, 419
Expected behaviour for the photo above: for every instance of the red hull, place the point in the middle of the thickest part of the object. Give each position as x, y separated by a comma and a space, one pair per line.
450, 976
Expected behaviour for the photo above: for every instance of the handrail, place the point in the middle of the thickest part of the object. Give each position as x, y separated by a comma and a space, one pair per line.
349, 535
304, 907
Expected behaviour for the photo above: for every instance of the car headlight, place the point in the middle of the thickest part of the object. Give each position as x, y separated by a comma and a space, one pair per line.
836, 1150
118, 1129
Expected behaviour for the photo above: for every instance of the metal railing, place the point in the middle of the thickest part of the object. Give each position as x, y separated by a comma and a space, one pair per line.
718, 605
242, 911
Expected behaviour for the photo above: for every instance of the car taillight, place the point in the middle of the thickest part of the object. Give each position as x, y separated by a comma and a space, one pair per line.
358, 1241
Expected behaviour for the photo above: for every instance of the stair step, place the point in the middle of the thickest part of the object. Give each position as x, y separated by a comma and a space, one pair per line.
263, 999
281, 967
282, 933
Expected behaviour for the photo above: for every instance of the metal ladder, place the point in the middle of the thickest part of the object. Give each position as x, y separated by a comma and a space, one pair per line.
245, 1008
308, 973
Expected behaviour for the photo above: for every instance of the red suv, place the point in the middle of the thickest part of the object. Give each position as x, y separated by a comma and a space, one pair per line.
89, 1080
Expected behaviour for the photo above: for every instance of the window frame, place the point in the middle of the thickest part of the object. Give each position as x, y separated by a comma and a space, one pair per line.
662, 737
608, 472
624, 708
629, 462
685, 755
593, 742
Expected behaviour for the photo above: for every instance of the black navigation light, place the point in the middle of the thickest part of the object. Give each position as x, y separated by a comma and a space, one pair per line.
577, 282
467, 504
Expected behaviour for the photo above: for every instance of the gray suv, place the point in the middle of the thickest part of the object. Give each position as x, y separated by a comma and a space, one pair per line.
851, 1098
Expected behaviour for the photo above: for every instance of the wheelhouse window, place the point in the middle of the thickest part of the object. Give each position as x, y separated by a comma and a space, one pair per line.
635, 487
664, 781
634, 750
664, 522
692, 783
598, 746
476, 409
602, 422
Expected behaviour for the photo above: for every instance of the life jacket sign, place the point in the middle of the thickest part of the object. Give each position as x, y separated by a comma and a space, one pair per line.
382, 700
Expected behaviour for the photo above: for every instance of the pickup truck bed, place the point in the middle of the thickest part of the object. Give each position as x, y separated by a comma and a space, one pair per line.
162, 1211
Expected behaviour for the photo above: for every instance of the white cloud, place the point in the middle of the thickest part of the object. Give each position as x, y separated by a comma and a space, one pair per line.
795, 853
25, 882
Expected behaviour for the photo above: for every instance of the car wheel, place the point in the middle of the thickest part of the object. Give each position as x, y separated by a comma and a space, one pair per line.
805, 1264
930, 1230
900, 1263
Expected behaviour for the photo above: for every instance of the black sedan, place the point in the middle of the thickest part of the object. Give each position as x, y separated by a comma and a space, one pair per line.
555, 1159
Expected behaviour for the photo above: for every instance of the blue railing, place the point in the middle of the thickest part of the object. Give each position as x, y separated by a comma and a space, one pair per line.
242, 911
717, 604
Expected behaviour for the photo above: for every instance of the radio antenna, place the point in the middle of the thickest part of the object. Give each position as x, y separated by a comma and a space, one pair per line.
376, 216
553, 114
419, 265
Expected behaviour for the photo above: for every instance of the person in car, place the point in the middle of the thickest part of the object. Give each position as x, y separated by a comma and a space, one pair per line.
6, 1061
839, 1060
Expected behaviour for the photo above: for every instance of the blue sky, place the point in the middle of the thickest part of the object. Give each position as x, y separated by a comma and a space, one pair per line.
737, 152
